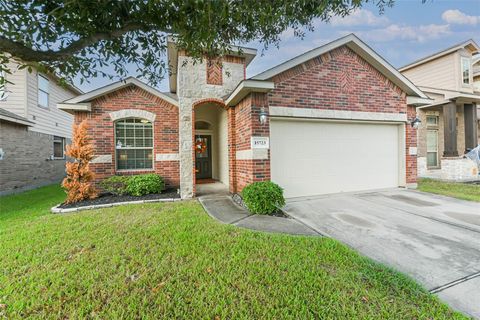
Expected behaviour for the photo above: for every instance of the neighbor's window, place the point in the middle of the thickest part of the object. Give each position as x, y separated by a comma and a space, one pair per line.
43, 91
465, 70
432, 121
134, 144
58, 147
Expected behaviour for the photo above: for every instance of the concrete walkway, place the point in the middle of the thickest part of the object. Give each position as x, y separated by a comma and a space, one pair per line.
222, 208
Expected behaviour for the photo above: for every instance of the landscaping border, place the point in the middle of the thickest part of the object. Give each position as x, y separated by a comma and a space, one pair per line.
57, 208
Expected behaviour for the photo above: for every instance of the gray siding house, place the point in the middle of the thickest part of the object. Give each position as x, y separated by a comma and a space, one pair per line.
33, 131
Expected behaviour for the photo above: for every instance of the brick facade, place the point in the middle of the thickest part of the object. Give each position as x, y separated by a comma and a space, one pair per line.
338, 80
247, 124
165, 132
27, 163
342, 80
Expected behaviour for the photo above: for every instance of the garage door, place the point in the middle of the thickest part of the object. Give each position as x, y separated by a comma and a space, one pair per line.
320, 157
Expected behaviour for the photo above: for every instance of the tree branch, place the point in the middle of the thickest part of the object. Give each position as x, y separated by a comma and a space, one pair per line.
19, 50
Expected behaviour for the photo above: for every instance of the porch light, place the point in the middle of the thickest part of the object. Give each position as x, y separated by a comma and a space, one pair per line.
263, 116
415, 123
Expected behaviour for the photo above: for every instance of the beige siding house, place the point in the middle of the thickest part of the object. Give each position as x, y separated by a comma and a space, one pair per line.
450, 123
33, 131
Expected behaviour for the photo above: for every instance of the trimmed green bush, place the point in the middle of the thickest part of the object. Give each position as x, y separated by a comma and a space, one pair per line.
115, 184
137, 185
143, 184
263, 197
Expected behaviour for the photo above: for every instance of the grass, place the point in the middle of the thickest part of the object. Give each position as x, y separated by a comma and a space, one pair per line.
171, 260
457, 190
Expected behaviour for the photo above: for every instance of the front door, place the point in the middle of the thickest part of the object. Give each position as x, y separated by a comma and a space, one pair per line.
203, 156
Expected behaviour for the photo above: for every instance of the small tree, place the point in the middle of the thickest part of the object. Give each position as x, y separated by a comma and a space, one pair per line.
78, 183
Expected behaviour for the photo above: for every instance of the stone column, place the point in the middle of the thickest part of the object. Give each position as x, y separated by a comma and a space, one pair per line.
450, 129
470, 114
186, 149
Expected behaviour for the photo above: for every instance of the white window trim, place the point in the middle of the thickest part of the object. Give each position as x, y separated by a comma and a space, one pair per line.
63, 148
432, 127
468, 60
46, 92
134, 148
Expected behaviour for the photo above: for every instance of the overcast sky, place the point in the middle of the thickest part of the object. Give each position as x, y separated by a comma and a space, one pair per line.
408, 31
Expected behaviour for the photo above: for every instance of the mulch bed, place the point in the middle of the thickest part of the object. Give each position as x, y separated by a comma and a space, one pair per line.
107, 198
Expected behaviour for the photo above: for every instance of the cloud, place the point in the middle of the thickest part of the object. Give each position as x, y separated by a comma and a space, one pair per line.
420, 33
458, 17
359, 17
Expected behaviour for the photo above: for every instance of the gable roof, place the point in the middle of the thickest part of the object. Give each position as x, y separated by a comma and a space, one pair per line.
172, 53
360, 48
13, 117
81, 102
470, 44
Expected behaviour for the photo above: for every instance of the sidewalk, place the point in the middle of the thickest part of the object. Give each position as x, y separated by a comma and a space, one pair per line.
222, 208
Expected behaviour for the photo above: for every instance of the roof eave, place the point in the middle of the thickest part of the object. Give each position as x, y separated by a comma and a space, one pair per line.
75, 107
15, 120
439, 54
86, 97
248, 86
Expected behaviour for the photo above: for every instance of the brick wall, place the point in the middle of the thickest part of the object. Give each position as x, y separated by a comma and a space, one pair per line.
26, 163
247, 124
338, 80
101, 129
411, 141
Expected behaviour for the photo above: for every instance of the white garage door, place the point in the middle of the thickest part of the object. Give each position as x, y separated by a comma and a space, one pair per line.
319, 157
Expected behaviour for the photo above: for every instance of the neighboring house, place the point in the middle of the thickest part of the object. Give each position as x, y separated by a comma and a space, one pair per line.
33, 132
449, 124
476, 87
333, 119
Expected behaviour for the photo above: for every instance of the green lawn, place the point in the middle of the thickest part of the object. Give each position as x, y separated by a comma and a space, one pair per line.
457, 190
172, 260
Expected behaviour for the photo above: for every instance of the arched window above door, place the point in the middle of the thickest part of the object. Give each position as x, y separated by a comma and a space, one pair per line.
202, 125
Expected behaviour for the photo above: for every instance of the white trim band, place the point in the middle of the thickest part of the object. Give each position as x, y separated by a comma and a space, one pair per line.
336, 114
132, 113
252, 154
103, 158
167, 157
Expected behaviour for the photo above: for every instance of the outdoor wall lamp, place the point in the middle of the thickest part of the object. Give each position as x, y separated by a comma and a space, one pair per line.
415, 123
263, 116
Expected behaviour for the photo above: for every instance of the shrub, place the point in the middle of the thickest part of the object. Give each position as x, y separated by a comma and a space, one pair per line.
115, 184
78, 183
143, 184
263, 197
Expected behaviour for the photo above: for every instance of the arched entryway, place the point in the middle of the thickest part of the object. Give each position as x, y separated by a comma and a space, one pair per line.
210, 143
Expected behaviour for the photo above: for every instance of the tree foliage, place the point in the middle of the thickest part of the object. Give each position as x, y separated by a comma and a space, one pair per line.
82, 37
78, 183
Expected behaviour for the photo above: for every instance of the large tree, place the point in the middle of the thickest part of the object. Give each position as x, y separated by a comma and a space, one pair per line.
81, 37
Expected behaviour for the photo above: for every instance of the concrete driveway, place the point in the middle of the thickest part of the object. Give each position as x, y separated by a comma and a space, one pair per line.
434, 239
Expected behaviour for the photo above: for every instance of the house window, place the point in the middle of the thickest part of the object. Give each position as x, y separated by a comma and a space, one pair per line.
465, 70
432, 141
58, 147
43, 93
3, 83
134, 144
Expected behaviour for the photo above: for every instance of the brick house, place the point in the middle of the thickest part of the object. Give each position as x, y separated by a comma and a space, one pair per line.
333, 119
